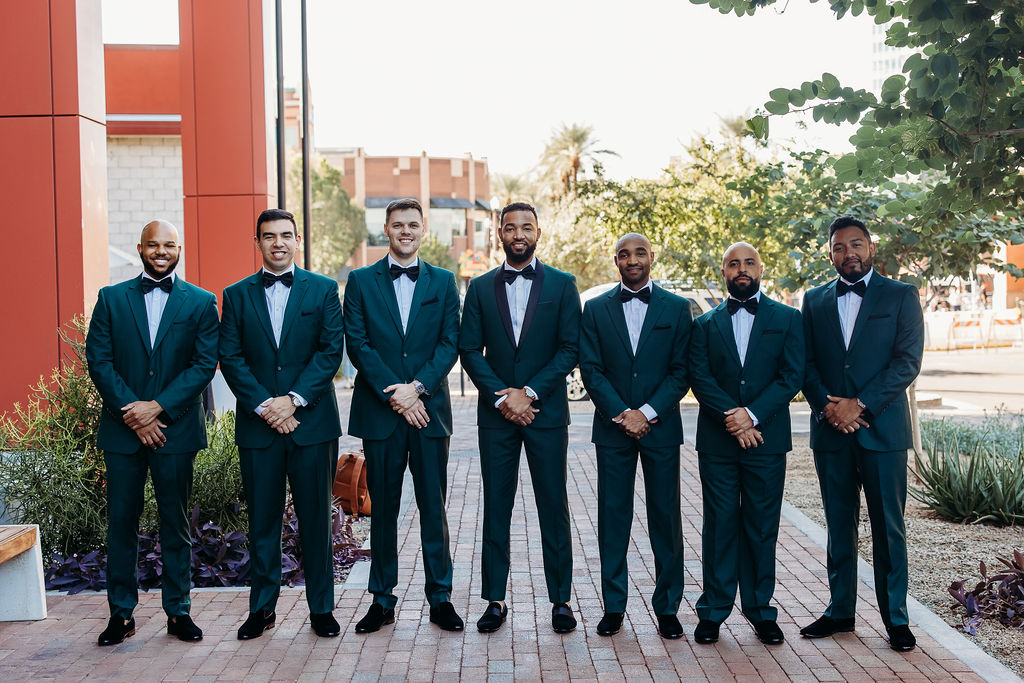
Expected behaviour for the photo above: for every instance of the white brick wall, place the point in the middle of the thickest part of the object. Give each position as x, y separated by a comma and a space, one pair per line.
143, 183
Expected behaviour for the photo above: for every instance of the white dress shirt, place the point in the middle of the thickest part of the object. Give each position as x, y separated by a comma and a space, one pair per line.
518, 293
849, 308
742, 323
277, 303
404, 288
635, 312
156, 300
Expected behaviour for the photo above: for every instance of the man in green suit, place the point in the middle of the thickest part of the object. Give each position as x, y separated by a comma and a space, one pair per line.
151, 350
633, 362
746, 365
402, 329
865, 338
519, 339
281, 339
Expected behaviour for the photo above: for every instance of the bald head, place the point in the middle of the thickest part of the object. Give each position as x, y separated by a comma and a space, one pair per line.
739, 247
161, 227
159, 248
632, 236
742, 270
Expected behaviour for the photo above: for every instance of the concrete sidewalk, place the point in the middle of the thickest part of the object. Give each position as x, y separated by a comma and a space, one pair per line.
63, 646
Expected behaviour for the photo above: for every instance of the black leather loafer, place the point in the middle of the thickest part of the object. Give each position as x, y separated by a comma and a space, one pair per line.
827, 626
493, 617
324, 625
901, 639
768, 632
706, 632
183, 628
256, 624
562, 620
445, 616
669, 626
611, 623
375, 617
116, 631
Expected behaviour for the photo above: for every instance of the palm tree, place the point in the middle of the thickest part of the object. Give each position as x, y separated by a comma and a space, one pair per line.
508, 188
564, 154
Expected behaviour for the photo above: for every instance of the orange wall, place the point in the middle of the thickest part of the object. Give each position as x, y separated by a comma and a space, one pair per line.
142, 79
1015, 286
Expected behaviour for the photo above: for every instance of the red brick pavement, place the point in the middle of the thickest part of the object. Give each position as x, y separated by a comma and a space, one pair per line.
62, 647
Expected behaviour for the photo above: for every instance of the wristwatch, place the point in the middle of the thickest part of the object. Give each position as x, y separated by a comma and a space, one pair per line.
530, 393
861, 404
420, 387
295, 400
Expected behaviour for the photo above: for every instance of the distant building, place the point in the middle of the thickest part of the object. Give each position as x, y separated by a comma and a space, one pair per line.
885, 60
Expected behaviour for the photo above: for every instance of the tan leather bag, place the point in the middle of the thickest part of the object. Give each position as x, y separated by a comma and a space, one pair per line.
350, 489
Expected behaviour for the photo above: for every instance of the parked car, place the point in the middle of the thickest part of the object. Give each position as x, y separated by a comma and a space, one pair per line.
702, 300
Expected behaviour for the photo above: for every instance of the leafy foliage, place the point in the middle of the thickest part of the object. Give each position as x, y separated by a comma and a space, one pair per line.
564, 156
999, 596
435, 252
338, 225
966, 478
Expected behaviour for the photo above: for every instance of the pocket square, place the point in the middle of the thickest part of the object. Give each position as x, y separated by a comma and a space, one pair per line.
308, 312
876, 316
431, 300
772, 332
663, 327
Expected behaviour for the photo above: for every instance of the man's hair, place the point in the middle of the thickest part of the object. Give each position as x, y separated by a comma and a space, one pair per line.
847, 222
516, 206
401, 205
268, 215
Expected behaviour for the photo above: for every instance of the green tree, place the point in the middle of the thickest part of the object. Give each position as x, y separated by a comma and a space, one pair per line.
508, 188
573, 241
568, 148
435, 252
338, 225
957, 108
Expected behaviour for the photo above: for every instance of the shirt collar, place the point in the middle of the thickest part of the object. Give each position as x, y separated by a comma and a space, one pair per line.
393, 262
756, 297
147, 276
533, 263
865, 279
289, 269
649, 285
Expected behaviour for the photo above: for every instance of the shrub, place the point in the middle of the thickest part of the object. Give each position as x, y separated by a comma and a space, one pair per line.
1000, 596
975, 473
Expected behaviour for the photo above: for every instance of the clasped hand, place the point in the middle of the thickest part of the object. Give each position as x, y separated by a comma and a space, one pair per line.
141, 416
634, 423
517, 406
406, 402
844, 414
740, 425
279, 414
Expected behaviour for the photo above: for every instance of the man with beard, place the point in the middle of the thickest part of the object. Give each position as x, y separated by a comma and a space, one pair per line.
746, 364
402, 328
633, 362
519, 339
280, 347
151, 350
865, 338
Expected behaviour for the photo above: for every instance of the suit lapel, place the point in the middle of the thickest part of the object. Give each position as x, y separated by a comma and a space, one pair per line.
832, 313
258, 300
531, 303
618, 318
723, 324
387, 292
867, 305
174, 302
765, 313
137, 303
501, 299
300, 285
419, 293
654, 311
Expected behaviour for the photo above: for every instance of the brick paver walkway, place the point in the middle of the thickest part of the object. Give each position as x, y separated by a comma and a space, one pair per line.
62, 646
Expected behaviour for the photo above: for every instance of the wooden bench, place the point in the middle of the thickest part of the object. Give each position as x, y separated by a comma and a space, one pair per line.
21, 574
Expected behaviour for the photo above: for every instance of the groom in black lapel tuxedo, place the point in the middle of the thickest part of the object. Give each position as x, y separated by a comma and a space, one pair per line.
519, 339
865, 339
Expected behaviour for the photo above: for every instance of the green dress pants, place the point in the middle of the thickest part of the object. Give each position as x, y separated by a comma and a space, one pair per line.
309, 471
616, 478
427, 459
172, 483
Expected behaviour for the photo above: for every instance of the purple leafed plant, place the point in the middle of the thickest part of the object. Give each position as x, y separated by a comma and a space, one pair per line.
999, 596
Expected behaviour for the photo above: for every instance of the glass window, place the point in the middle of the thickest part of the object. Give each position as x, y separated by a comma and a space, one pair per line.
375, 236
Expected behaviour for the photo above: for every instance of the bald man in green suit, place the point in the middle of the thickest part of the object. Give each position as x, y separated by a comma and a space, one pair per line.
865, 339
746, 365
151, 351
633, 361
518, 341
402, 328
281, 339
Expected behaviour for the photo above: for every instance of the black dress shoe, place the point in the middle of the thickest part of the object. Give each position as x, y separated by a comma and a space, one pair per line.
562, 620
183, 628
669, 626
116, 631
256, 624
706, 632
493, 617
610, 623
827, 626
445, 616
901, 639
324, 625
375, 617
768, 632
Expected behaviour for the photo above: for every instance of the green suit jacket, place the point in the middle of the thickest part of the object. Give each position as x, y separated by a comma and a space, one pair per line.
548, 344
384, 355
173, 372
883, 359
766, 382
618, 380
312, 338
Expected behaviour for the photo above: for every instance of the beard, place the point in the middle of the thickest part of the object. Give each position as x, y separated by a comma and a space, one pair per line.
854, 270
526, 256
153, 273
743, 291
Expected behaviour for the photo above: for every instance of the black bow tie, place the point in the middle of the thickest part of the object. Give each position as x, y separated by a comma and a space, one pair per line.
412, 272
149, 285
510, 275
269, 279
627, 295
734, 305
857, 288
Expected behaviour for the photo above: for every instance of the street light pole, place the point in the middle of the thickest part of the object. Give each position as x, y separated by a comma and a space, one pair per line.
306, 189
281, 171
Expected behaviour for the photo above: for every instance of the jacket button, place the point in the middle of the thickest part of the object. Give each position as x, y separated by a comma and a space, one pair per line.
635, 374
743, 381
404, 354
847, 366
279, 368
150, 373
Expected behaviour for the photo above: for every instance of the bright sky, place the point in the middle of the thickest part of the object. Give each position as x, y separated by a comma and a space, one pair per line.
494, 79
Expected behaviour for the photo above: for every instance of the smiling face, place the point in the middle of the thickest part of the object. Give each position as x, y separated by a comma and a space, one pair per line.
277, 243
519, 233
633, 258
742, 270
159, 249
851, 252
405, 231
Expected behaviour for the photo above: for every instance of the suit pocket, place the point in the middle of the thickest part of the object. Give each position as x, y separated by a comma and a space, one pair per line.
772, 332
662, 327
544, 303
307, 313
879, 316
432, 300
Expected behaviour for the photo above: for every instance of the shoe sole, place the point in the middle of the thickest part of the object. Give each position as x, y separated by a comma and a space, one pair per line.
563, 631
608, 633
671, 636
827, 635
118, 642
445, 628
265, 629
705, 641
374, 630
